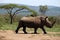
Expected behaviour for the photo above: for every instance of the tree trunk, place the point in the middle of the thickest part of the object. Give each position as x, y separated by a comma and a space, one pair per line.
11, 19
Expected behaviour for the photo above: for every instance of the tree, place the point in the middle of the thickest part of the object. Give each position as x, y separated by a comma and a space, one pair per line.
10, 7
43, 9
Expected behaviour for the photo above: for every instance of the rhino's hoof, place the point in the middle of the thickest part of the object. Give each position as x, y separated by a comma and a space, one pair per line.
25, 32
35, 32
16, 31
45, 33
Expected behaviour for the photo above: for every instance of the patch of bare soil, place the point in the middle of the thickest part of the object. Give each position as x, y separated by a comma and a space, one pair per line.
11, 35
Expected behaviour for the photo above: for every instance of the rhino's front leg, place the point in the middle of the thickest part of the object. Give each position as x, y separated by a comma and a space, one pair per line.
44, 30
24, 29
35, 30
17, 29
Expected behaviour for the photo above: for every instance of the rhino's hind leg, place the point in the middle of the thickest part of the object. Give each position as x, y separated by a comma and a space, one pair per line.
24, 29
44, 31
35, 30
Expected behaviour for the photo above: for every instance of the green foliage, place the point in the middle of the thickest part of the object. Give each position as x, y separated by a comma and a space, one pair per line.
43, 9
1, 19
10, 7
54, 18
1, 25
17, 18
58, 20
4, 24
9, 26
56, 28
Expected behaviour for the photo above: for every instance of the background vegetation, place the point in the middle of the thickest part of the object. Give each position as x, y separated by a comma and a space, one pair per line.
5, 19
5, 23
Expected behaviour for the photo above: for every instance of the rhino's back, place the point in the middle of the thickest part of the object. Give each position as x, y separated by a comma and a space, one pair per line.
31, 19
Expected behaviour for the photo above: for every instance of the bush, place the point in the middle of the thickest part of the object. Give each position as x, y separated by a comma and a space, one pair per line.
53, 18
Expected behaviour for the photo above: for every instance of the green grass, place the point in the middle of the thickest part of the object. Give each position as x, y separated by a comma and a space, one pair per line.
8, 26
56, 28
13, 26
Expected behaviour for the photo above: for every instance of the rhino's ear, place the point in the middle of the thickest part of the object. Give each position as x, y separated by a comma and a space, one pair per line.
43, 18
46, 17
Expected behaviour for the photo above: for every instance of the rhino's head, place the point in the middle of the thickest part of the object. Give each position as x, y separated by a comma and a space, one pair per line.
48, 23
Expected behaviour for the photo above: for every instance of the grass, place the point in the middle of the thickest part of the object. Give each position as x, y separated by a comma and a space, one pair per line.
56, 34
56, 28
8, 26
13, 26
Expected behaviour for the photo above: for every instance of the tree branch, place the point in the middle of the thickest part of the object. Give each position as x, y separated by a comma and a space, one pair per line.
10, 11
17, 11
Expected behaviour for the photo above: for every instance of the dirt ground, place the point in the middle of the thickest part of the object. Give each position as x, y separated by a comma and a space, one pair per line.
11, 35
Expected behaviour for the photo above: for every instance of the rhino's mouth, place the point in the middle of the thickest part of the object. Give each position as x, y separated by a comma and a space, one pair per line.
49, 26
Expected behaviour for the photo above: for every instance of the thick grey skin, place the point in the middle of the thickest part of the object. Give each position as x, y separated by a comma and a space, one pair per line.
38, 22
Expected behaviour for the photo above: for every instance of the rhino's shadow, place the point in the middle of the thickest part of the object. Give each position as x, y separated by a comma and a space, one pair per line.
28, 33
